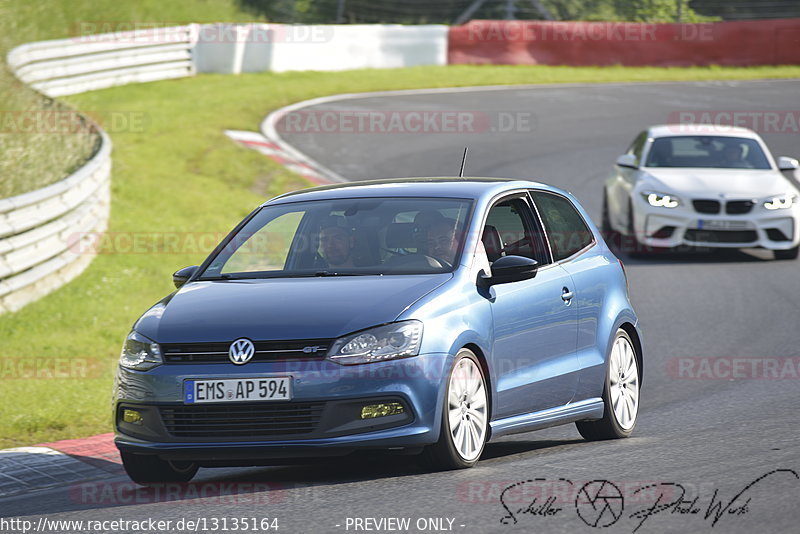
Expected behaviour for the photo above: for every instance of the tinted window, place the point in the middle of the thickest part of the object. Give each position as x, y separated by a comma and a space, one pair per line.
566, 229
720, 152
510, 231
347, 236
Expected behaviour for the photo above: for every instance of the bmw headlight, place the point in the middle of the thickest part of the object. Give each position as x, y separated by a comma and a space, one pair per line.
781, 202
139, 353
661, 200
389, 342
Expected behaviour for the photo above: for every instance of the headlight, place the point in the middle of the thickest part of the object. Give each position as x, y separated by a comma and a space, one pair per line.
139, 353
389, 342
781, 202
661, 200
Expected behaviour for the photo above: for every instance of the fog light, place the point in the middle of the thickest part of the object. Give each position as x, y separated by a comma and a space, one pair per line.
132, 416
381, 410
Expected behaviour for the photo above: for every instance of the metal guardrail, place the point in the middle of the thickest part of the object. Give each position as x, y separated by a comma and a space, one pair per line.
70, 66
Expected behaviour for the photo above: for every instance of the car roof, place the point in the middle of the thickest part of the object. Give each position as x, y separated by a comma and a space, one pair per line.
721, 130
444, 187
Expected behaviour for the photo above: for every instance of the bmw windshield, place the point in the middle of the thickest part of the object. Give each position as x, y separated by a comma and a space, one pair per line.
345, 237
719, 152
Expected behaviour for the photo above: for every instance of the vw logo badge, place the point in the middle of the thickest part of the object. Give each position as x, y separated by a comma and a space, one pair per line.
241, 351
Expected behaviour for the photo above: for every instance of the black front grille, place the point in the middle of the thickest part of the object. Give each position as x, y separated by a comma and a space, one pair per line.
721, 236
738, 207
266, 351
706, 206
242, 421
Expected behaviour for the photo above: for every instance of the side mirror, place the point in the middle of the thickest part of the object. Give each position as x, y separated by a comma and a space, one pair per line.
182, 276
511, 269
787, 164
627, 160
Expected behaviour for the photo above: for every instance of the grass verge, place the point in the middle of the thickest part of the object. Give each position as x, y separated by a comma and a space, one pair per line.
177, 173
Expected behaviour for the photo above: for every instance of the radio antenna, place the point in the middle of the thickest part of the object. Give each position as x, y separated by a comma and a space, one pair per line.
463, 162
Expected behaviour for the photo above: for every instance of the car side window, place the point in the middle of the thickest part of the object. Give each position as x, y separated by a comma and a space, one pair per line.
566, 229
637, 146
510, 230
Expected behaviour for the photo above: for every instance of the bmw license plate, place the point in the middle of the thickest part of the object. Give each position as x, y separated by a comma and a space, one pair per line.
237, 390
721, 224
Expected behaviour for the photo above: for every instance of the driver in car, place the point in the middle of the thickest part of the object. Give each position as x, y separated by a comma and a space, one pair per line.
336, 246
732, 157
442, 239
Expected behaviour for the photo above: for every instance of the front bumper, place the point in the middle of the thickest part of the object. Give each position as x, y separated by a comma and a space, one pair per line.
683, 226
326, 400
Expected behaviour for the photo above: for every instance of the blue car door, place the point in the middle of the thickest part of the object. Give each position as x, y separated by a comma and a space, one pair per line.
571, 242
535, 323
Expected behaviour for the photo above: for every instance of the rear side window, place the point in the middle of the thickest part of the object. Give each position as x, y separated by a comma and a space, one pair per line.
566, 229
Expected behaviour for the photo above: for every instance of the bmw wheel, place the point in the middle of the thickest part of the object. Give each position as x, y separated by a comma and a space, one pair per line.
465, 417
149, 469
620, 394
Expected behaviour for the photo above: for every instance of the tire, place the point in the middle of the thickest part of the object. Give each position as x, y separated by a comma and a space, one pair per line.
790, 254
465, 417
623, 378
150, 469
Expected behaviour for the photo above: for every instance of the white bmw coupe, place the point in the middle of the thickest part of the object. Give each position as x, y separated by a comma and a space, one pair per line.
700, 186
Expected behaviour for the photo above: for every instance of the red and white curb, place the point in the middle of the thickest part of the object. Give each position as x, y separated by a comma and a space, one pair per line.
28, 469
272, 150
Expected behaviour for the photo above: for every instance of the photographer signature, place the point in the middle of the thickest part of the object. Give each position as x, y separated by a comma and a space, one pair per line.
600, 503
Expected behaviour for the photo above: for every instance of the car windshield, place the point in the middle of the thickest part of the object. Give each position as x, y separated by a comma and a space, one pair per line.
719, 152
346, 237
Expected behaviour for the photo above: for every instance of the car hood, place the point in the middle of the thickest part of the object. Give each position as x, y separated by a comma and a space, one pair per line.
283, 308
733, 183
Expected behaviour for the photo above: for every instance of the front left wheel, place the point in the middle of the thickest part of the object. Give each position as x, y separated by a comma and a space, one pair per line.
465, 417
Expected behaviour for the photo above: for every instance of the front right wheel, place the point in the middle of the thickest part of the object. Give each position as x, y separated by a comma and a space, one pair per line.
620, 394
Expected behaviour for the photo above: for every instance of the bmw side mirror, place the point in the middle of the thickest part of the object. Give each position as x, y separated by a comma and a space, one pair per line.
511, 269
182, 276
627, 160
787, 164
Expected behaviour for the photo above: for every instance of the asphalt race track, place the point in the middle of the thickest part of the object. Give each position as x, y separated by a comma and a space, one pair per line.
710, 436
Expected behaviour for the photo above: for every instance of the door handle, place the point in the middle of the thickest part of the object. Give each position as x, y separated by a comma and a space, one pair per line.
567, 295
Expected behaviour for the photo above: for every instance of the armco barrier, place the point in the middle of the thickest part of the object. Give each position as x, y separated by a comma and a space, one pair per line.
766, 42
36, 230
85, 63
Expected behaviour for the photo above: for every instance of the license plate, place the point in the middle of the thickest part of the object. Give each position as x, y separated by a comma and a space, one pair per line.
721, 224
237, 390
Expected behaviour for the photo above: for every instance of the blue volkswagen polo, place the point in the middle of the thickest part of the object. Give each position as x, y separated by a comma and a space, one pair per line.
421, 315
